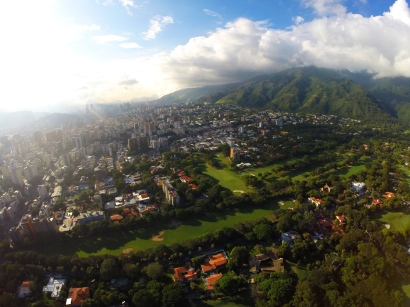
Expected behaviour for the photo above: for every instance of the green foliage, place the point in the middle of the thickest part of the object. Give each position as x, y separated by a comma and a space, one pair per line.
306, 90
239, 256
109, 269
262, 231
154, 270
172, 295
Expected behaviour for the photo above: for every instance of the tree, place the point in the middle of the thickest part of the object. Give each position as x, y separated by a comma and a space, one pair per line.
142, 298
262, 231
239, 256
155, 288
89, 302
154, 270
227, 284
172, 295
109, 269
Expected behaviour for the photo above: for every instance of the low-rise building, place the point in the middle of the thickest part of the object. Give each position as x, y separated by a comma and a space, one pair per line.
77, 296
54, 286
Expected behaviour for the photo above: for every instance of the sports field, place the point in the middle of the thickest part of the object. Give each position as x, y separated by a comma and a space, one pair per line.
243, 300
114, 244
398, 220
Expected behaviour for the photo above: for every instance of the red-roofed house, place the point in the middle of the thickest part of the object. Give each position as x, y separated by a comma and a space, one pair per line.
184, 274
326, 188
77, 296
377, 202
186, 179
342, 219
192, 186
388, 195
116, 217
181, 173
24, 289
210, 281
316, 201
215, 262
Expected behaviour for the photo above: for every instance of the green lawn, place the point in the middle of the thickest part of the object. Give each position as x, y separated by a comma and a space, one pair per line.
398, 220
114, 244
301, 270
243, 300
406, 172
227, 178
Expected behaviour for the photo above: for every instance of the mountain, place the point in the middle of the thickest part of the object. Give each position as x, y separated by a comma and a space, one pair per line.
192, 94
305, 90
15, 119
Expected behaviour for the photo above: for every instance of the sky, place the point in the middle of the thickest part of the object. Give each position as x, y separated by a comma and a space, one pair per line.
58, 53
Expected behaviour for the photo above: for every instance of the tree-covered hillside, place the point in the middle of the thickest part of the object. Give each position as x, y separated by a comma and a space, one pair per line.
305, 90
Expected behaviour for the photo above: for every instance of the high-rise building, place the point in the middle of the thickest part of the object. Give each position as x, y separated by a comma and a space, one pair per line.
16, 176
42, 191
38, 137
27, 223
139, 144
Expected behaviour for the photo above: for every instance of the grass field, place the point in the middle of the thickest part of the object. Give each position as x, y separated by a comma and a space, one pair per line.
398, 220
140, 240
238, 301
233, 181
225, 177
406, 172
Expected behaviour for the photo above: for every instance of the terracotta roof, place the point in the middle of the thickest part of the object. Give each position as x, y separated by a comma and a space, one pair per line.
78, 295
116, 217
214, 262
211, 280
25, 284
180, 276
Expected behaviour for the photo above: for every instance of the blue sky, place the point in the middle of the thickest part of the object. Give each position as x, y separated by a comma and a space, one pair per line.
73, 52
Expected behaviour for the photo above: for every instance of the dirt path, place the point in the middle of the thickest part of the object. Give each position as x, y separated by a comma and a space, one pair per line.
158, 236
239, 191
127, 250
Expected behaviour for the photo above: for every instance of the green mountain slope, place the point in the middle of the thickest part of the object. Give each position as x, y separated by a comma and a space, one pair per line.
192, 94
305, 90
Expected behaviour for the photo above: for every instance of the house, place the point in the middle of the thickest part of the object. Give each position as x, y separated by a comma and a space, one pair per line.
186, 179
342, 219
266, 263
54, 286
326, 188
358, 186
210, 281
184, 273
214, 262
388, 195
116, 218
77, 296
192, 186
290, 237
316, 201
23, 290
377, 202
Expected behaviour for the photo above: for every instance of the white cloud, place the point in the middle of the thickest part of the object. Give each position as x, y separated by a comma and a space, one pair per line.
240, 50
130, 45
298, 20
102, 39
157, 24
211, 13
129, 4
104, 2
326, 7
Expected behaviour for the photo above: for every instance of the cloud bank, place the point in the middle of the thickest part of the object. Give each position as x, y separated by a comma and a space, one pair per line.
243, 49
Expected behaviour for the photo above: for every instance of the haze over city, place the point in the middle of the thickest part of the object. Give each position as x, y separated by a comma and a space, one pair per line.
59, 53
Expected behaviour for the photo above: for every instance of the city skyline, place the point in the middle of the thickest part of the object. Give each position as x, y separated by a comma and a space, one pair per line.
82, 52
